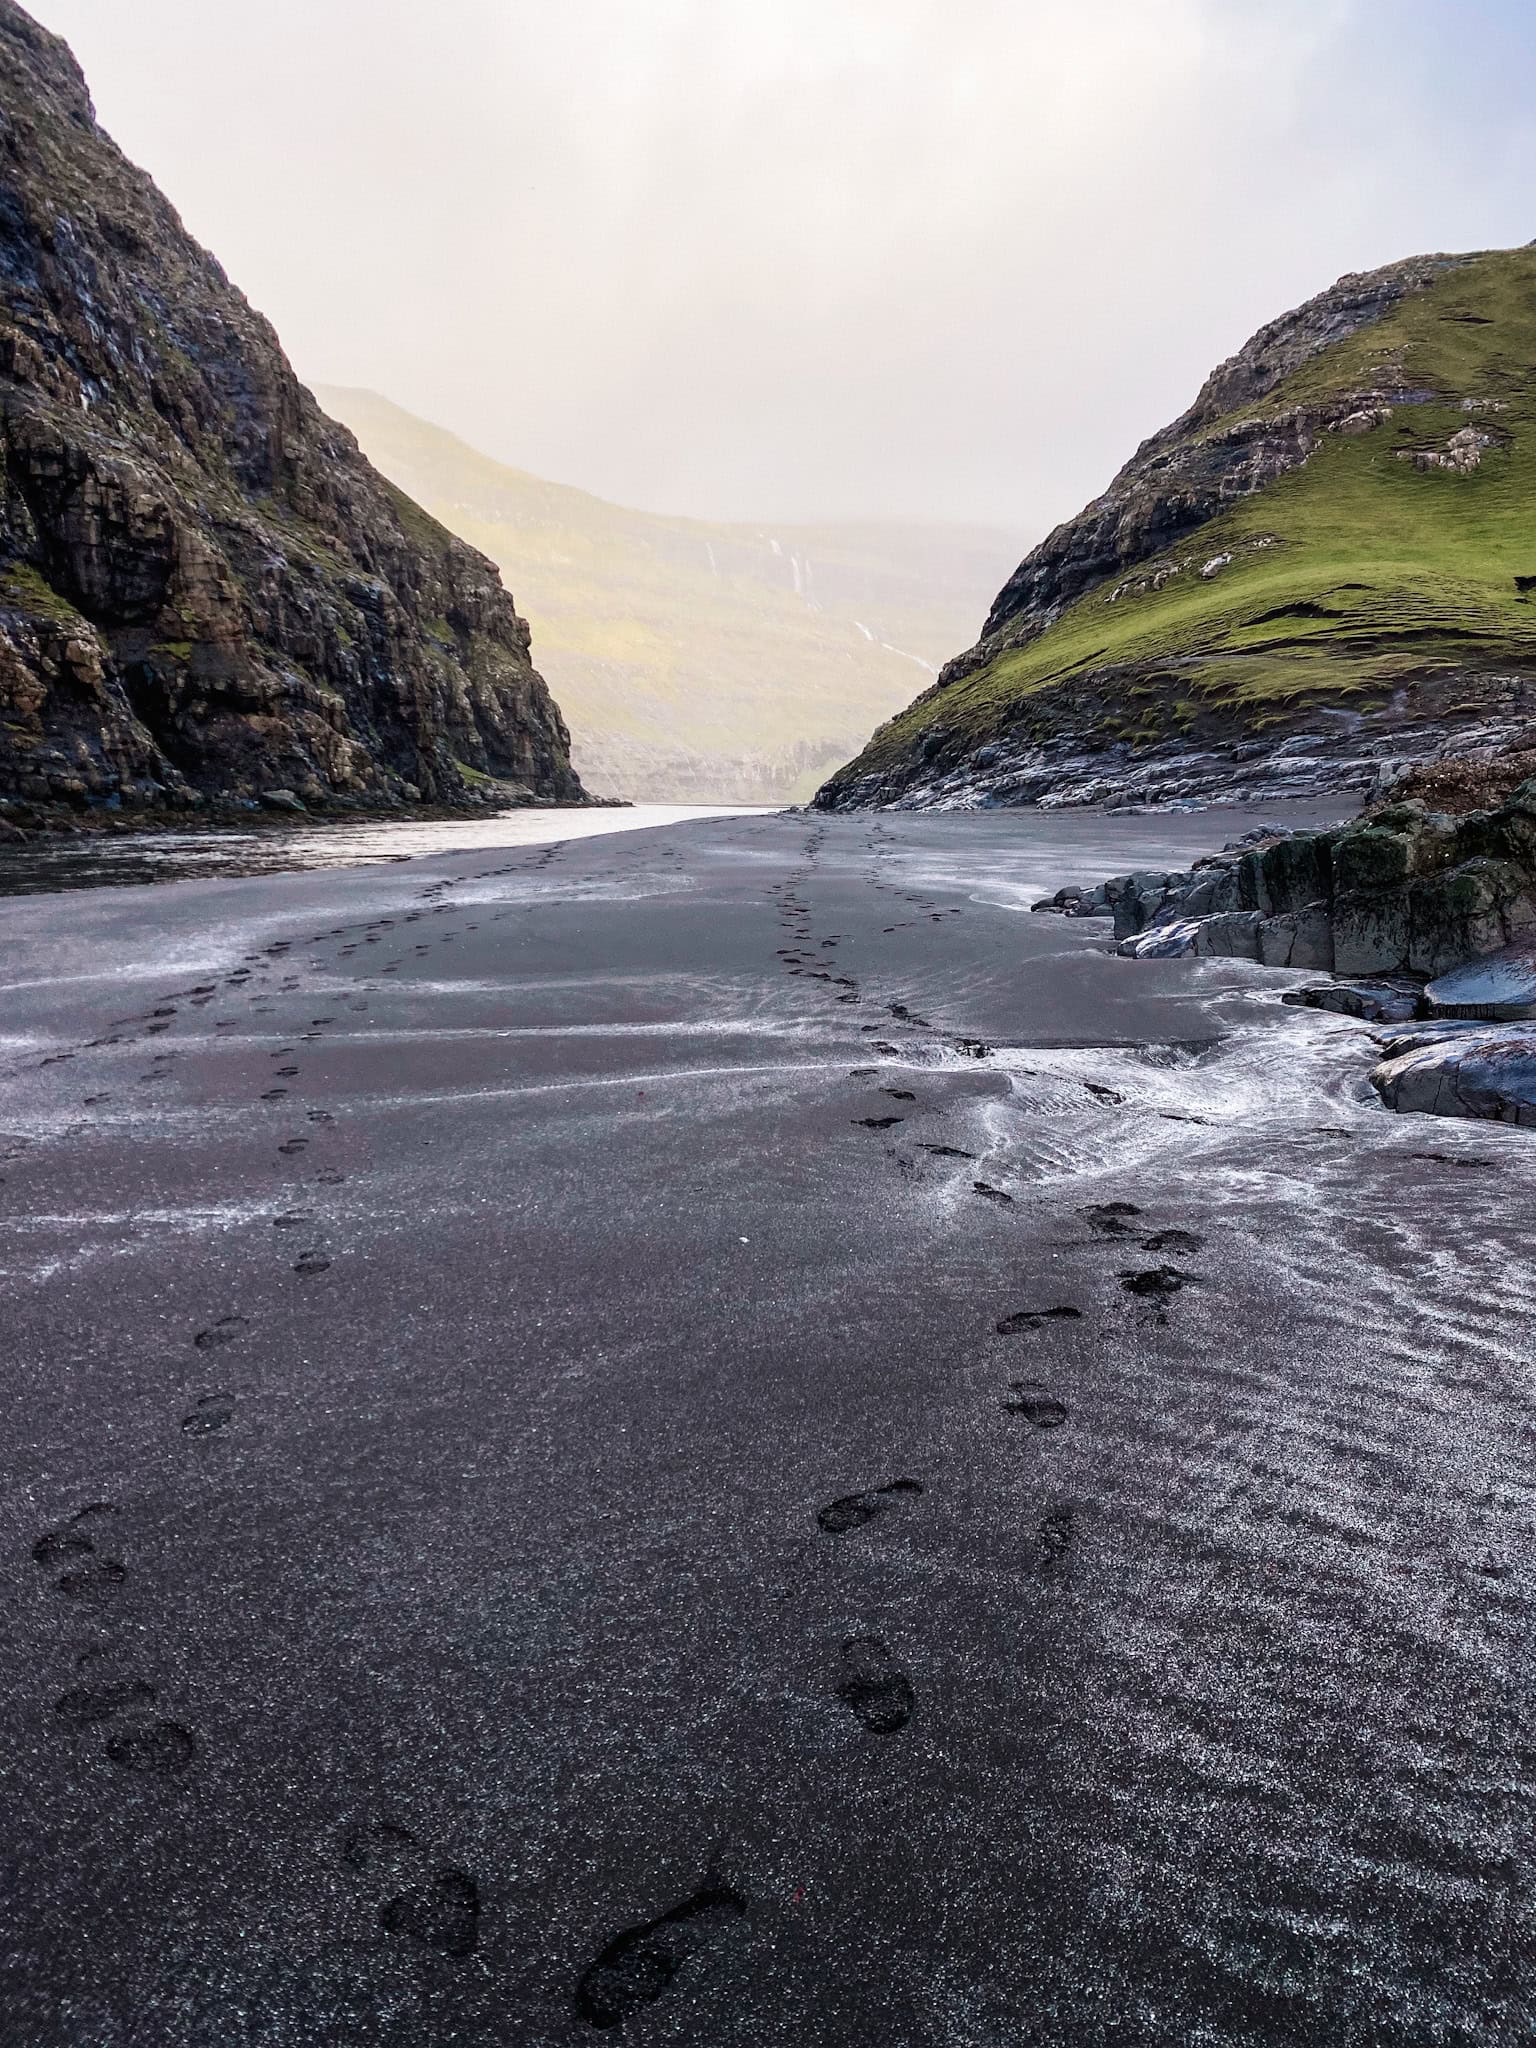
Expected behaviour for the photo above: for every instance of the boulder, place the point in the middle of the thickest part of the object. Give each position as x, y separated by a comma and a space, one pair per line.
281, 800
1298, 938
1164, 942
1466, 1070
1370, 934
1466, 911
1372, 859
1499, 986
1234, 935
1378, 1002
1295, 872
1407, 891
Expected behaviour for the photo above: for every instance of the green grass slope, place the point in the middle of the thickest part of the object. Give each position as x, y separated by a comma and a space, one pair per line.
1364, 570
697, 661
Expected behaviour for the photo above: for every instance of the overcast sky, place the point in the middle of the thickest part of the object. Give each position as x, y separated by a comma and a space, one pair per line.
811, 258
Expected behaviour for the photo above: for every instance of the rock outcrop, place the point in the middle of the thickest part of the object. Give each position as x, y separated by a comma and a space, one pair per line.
1425, 919
1405, 889
205, 591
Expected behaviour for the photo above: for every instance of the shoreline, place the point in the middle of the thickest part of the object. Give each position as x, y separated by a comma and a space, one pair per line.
472, 1303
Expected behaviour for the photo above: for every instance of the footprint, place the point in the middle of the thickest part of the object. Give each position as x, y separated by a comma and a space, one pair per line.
225, 1331
292, 1145
1033, 1405
98, 1580
1104, 1094
159, 1749
89, 1576
1035, 1319
273, 1094
438, 1905
855, 1509
636, 1967
1108, 1218
1154, 1283
84, 1705
873, 1687
1172, 1241
876, 1123
310, 1264
947, 1152
899, 1094
211, 1414
993, 1194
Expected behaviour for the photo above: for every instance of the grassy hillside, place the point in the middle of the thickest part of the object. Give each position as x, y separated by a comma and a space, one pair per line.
1368, 567
696, 661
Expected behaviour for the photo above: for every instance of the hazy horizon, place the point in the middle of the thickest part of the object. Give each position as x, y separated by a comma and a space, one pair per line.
883, 259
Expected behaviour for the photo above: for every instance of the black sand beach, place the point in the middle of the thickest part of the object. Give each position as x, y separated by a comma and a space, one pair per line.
729, 1373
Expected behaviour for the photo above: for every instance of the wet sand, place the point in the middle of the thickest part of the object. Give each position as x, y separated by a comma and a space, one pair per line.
714, 1431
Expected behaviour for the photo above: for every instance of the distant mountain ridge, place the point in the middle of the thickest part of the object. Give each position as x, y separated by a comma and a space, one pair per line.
1325, 568
698, 660
205, 590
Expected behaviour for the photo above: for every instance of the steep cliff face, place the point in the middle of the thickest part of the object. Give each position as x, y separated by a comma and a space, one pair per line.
1323, 563
205, 590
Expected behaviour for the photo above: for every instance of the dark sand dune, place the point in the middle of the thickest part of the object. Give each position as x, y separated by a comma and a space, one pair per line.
714, 1433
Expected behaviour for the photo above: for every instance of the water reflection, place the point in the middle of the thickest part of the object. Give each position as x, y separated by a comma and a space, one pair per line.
185, 856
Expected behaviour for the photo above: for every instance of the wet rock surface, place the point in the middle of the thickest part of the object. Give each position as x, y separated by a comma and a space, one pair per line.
206, 593
1470, 1070
1500, 985
1378, 1002
1418, 914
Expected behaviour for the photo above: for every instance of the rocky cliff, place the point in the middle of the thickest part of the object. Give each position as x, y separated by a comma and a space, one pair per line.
205, 590
1322, 571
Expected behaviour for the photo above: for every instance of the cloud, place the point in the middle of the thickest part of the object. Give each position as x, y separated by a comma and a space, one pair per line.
934, 258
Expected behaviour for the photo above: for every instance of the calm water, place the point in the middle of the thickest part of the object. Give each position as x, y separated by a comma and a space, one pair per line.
190, 856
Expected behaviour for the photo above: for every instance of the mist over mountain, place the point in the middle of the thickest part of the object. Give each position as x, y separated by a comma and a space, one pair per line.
697, 661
